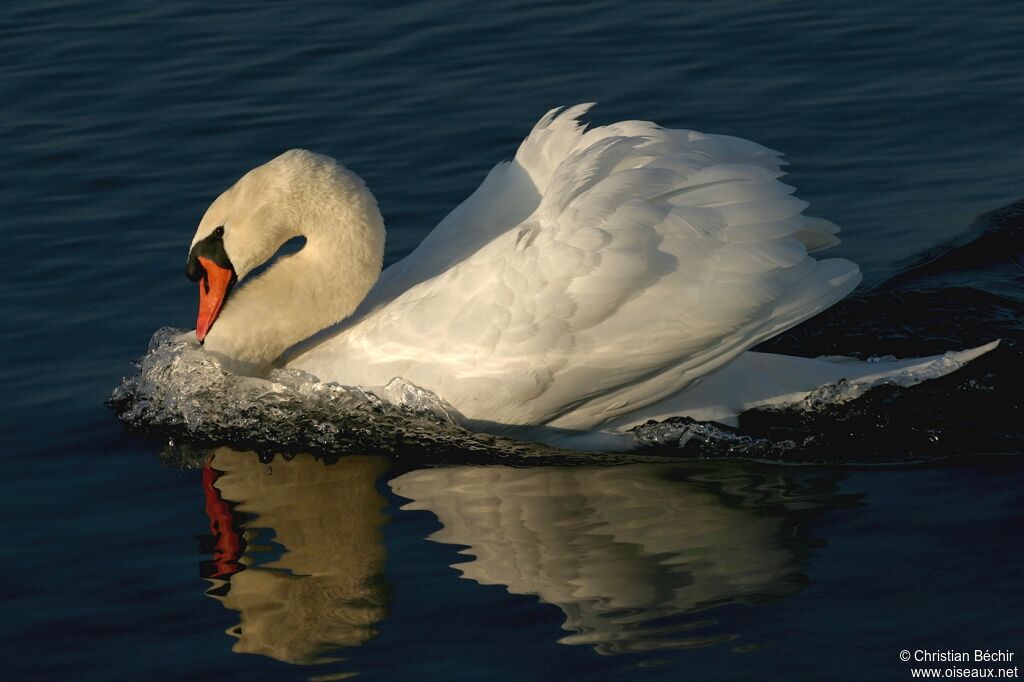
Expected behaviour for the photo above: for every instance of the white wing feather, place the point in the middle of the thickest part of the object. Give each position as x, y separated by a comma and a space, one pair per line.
599, 272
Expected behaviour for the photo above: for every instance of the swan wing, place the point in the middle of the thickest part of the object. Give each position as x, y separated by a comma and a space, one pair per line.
627, 262
507, 196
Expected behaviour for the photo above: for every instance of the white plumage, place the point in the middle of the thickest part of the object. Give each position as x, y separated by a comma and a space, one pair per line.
590, 283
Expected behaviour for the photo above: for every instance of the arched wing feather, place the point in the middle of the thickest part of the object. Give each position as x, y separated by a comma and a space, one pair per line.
640, 259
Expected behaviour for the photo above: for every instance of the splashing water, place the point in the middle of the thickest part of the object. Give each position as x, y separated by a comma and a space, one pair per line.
181, 390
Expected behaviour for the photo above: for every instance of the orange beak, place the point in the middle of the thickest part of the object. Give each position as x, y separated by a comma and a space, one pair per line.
214, 286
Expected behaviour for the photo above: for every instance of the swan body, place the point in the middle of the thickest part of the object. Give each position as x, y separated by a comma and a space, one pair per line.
599, 279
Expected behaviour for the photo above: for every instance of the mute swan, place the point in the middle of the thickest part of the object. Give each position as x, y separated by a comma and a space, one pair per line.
600, 279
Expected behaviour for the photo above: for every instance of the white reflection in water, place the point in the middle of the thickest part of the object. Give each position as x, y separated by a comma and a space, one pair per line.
621, 550
636, 556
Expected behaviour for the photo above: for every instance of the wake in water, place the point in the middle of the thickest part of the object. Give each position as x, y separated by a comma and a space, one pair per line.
967, 295
182, 392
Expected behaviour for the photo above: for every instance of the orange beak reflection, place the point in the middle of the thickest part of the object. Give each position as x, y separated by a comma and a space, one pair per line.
214, 286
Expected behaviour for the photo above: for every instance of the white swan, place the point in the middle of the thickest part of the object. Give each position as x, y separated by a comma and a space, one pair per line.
600, 279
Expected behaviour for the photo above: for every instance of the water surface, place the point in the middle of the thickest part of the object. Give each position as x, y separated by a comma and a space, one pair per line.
122, 120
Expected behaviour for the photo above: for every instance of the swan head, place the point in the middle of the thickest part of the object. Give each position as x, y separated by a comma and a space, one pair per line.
299, 193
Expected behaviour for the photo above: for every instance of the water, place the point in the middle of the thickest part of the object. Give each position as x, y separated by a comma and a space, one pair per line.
121, 122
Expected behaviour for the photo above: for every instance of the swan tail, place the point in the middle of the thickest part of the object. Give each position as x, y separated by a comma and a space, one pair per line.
757, 380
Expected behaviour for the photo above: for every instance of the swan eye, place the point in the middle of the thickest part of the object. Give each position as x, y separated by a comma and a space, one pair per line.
210, 247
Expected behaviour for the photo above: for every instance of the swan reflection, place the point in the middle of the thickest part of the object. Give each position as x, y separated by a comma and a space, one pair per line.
638, 558
298, 552
625, 551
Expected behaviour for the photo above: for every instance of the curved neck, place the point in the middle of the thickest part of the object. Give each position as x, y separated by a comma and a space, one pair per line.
305, 292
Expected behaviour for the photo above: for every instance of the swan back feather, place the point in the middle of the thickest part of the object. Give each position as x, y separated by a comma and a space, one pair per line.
598, 272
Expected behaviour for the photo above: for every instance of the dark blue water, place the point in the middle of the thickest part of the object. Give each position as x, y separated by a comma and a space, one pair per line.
122, 120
